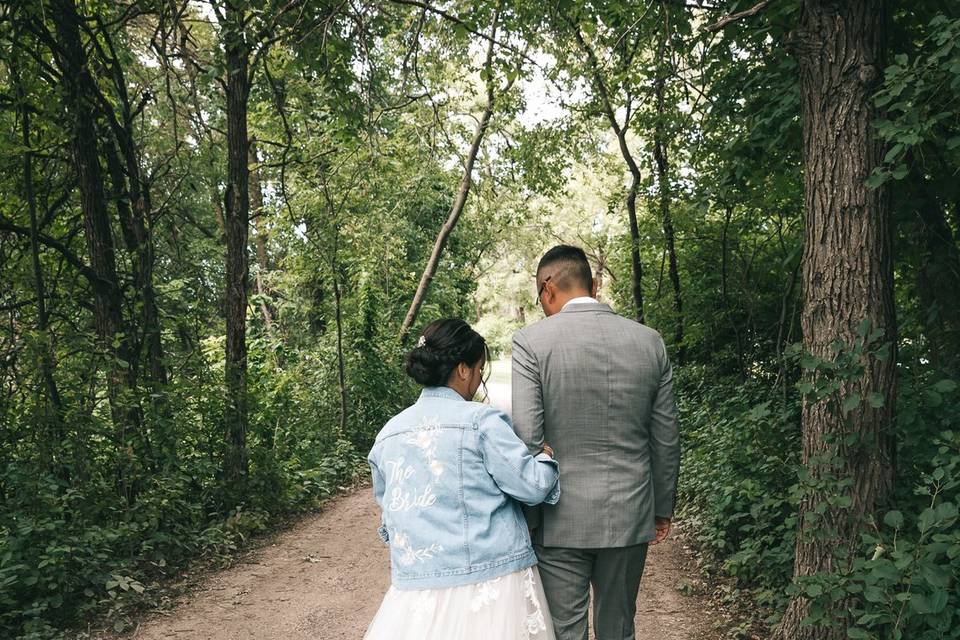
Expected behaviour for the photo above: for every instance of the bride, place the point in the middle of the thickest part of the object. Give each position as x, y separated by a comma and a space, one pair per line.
449, 475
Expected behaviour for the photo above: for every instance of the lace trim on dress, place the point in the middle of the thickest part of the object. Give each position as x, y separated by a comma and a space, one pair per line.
535, 620
487, 592
508, 607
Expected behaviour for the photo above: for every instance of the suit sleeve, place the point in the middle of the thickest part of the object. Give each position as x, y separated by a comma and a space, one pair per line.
527, 395
664, 438
522, 476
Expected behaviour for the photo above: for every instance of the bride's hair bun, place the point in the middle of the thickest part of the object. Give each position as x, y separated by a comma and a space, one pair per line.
442, 346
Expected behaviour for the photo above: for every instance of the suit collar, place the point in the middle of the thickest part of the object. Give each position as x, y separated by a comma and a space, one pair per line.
580, 308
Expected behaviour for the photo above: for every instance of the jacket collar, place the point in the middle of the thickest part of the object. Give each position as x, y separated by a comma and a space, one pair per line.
580, 308
440, 392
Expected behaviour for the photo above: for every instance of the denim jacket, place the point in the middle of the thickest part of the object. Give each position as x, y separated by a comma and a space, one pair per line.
449, 476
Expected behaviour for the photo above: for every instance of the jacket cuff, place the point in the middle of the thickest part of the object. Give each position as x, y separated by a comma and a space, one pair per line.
554, 495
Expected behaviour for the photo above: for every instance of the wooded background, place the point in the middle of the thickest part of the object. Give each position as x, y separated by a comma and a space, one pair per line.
221, 224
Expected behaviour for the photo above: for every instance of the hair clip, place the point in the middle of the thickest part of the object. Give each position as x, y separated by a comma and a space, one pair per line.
422, 341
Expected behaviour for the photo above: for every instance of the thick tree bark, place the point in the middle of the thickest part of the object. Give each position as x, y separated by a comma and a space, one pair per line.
847, 279
466, 180
236, 221
114, 337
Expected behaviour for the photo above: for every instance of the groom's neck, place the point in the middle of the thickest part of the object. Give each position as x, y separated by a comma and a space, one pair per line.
567, 296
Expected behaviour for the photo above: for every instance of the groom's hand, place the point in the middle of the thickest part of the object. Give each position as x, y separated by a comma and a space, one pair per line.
663, 529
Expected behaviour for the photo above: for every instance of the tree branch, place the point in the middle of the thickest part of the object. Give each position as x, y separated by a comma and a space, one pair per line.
457, 20
62, 249
734, 17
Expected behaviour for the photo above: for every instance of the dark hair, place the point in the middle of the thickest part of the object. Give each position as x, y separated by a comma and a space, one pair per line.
442, 346
574, 264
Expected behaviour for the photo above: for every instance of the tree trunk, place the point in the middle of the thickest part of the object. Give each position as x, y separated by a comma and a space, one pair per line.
635, 176
848, 279
601, 265
236, 221
56, 434
115, 338
134, 206
260, 239
663, 188
464, 189
341, 364
636, 268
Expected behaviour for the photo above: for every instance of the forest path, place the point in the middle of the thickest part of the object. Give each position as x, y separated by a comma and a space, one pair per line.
324, 578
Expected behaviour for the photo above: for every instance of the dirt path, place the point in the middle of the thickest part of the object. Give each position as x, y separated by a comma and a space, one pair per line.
323, 579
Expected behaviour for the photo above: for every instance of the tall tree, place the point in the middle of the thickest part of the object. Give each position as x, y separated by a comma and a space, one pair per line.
233, 18
46, 360
661, 144
623, 51
115, 337
466, 178
847, 281
260, 239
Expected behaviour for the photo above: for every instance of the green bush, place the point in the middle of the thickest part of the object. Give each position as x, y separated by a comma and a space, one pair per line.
741, 483
739, 453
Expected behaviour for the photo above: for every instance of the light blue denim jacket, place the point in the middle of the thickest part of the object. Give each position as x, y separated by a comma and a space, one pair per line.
448, 475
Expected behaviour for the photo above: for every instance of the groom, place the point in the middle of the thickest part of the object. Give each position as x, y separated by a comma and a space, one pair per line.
598, 388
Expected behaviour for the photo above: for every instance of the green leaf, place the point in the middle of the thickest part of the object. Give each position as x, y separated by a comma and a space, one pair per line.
938, 601
920, 603
850, 403
876, 400
873, 594
877, 178
945, 386
893, 519
893, 153
927, 518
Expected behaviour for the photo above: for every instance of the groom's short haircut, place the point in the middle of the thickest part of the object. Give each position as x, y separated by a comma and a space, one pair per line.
568, 266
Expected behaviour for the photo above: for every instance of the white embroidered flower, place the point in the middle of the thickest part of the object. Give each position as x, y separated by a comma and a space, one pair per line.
423, 439
436, 468
409, 555
487, 592
535, 622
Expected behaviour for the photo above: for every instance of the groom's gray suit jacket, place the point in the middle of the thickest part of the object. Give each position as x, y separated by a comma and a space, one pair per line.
598, 388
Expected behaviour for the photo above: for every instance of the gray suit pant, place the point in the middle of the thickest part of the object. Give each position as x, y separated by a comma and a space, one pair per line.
567, 575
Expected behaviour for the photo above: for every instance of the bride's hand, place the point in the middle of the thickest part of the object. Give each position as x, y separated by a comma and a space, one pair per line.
547, 449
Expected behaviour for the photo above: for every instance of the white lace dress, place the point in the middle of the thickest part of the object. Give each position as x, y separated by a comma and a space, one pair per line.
511, 607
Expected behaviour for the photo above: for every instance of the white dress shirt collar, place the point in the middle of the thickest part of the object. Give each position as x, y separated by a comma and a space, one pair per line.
580, 300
